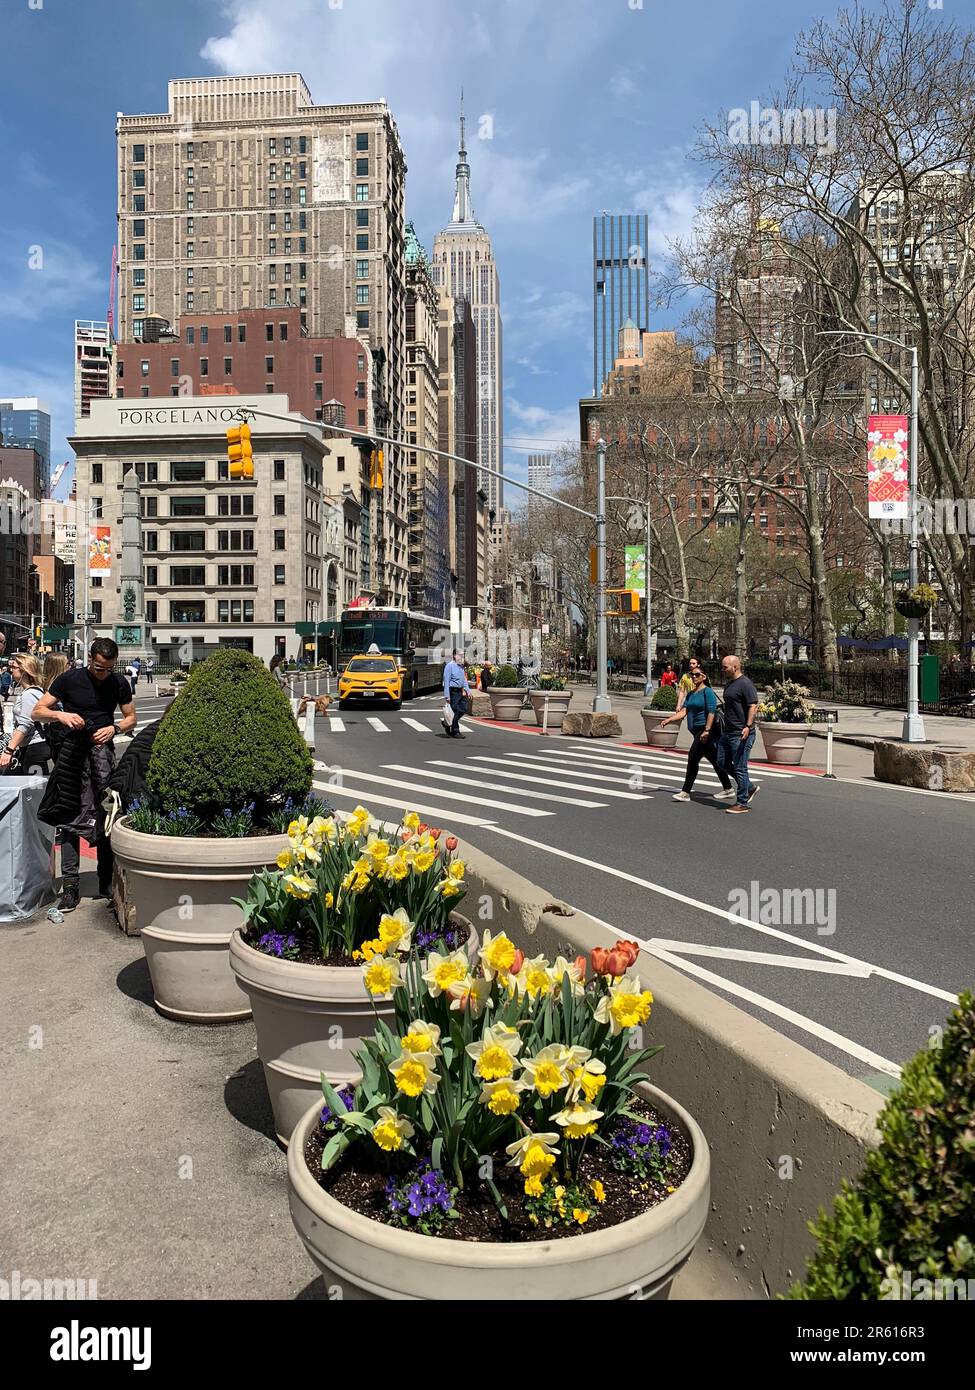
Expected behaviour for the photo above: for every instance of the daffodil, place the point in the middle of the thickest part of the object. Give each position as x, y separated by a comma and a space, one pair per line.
382, 975
424, 860
376, 848
495, 1055
625, 1006
398, 867
551, 1069
391, 1131
575, 972
283, 860
578, 1120
411, 820
421, 1037
470, 995
497, 954
502, 1097
396, 930
360, 820
533, 978
444, 971
297, 828
530, 1152
298, 885
329, 900
587, 1080
414, 1073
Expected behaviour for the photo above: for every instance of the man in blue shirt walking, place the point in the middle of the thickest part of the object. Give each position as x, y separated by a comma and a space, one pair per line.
455, 687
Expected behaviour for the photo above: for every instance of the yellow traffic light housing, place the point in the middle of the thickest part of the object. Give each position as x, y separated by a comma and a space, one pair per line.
376, 468
240, 454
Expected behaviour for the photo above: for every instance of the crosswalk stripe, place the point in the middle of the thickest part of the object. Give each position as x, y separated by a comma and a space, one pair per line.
406, 803
672, 773
415, 724
508, 770
347, 772
490, 786
336, 724
378, 724
606, 756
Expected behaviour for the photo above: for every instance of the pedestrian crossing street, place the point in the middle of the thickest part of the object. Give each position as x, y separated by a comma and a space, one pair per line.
482, 788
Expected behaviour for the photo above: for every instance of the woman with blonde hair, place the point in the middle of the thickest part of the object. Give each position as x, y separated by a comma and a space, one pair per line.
54, 664
26, 747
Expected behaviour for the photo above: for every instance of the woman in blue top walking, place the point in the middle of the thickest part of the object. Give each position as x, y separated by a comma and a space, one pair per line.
700, 707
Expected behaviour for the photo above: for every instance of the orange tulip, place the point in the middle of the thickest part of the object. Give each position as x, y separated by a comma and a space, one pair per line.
451, 842
517, 963
616, 963
598, 957
630, 950
580, 965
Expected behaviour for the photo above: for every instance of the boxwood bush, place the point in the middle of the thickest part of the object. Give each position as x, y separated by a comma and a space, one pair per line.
664, 698
910, 1210
503, 678
229, 741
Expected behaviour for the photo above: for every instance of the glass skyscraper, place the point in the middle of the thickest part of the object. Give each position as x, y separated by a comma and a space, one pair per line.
620, 285
25, 423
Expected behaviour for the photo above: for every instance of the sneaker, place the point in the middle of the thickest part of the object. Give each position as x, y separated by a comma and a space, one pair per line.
728, 795
70, 897
753, 789
736, 811
681, 796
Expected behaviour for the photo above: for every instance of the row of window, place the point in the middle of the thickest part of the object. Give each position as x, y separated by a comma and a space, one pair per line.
194, 611
361, 143
195, 576
184, 471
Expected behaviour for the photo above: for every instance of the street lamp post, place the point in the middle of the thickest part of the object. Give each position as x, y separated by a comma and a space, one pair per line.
913, 728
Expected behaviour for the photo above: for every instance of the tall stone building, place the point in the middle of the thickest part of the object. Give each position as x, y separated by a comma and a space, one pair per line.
429, 489
244, 194
458, 417
464, 266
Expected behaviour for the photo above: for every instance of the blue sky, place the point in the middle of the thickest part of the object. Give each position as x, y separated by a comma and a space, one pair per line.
593, 105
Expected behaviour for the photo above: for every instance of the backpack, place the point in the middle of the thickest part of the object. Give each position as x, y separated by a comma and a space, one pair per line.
718, 723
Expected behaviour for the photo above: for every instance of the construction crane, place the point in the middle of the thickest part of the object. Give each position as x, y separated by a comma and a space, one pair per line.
111, 292
59, 473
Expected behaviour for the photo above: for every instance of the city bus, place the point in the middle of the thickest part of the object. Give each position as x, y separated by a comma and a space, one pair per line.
418, 642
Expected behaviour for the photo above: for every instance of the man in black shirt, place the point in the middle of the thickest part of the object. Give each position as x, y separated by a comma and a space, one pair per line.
88, 697
740, 706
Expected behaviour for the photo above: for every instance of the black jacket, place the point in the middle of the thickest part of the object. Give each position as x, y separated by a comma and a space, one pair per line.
129, 777
62, 799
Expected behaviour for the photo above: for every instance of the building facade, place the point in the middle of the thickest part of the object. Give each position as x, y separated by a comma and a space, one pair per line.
458, 420
94, 364
620, 285
225, 563
16, 549
429, 510
246, 195
25, 423
464, 266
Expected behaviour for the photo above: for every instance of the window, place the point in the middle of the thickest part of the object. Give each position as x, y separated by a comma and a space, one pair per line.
360, 390
272, 225
204, 366
360, 363
279, 542
188, 250
151, 608
189, 199
138, 178
302, 270
362, 140
362, 417
96, 609
302, 221
236, 504
120, 370
287, 144
272, 146
189, 149
362, 294
190, 335
302, 169
188, 576
234, 575
139, 202
362, 195
147, 472
362, 270
272, 273
362, 217
302, 194
362, 168
302, 145
189, 226
235, 540
287, 173
139, 227
138, 154
187, 540
287, 195
283, 327
302, 246
228, 366
204, 334
188, 611
96, 472
150, 506
138, 303
279, 505
190, 177
269, 388
138, 277
189, 301
272, 196
269, 365
174, 366
279, 574
362, 241
287, 221
272, 172
143, 390
187, 471
318, 391
187, 506
362, 318
279, 470
144, 366
139, 251
228, 333
318, 365
152, 576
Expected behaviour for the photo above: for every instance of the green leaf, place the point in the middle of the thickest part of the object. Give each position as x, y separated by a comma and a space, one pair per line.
333, 1150
332, 1098
498, 1199
436, 1151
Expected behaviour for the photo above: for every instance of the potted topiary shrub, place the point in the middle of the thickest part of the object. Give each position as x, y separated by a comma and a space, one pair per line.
784, 717
502, 1144
343, 891
551, 693
903, 1228
662, 703
505, 693
227, 772
917, 602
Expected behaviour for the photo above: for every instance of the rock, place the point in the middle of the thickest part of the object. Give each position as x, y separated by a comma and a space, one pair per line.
480, 705
322, 703
586, 724
934, 767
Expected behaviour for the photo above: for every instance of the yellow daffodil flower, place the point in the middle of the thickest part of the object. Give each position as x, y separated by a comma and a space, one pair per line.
533, 978
411, 820
297, 828
283, 860
298, 885
382, 975
391, 1130
421, 1037
625, 1006
424, 860
456, 870
414, 1074
497, 954
578, 1120
396, 930
329, 900
470, 995
494, 1056
502, 1097
576, 974
586, 1080
376, 849
398, 867
518, 1151
444, 971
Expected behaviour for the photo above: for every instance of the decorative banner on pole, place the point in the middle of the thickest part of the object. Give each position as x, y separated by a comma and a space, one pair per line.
99, 551
635, 568
887, 466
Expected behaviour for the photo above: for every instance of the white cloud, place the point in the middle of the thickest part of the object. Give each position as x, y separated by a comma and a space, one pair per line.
46, 276
670, 192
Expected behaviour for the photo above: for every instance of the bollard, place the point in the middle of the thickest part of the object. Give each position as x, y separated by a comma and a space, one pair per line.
310, 723
294, 706
829, 745
545, 715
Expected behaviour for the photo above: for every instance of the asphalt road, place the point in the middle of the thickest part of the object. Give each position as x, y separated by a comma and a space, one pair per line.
837, 911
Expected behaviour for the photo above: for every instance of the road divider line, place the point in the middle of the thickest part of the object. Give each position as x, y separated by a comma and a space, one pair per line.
822, 967
347, 773
604, 758
524, 761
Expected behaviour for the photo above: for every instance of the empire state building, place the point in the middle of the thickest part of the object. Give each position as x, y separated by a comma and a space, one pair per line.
463, 265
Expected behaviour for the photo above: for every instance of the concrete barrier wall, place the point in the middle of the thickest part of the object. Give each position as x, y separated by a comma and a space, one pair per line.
768, 1106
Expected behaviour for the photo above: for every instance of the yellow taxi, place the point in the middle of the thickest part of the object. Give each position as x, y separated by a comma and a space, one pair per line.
372, 677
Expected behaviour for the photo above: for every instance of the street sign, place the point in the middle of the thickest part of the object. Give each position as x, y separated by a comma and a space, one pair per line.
900, 576
55, 634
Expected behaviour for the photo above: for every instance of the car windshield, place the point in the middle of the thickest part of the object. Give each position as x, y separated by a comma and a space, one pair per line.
371, 663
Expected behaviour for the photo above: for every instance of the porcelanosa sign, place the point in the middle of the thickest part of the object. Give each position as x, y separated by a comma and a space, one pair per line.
178, 415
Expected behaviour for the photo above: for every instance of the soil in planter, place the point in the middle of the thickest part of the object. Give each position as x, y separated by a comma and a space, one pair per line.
308, 953
359, 1178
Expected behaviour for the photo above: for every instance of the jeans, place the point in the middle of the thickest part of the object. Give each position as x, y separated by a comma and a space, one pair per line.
457, 705
734, 759
71, 855
695, 753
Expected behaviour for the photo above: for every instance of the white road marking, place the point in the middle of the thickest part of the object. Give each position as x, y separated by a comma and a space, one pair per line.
378, 724
723, 912
513, 809
407, 803
489, 786
659, 760
336, 724
415, 724
517, 776
822, 967
533, 765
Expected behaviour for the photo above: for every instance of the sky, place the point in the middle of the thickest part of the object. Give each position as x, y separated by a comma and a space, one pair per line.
573, 107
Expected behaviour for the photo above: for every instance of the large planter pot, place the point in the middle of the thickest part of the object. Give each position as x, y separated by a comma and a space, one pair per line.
558, 707
309, 1019
367, 1260
656, 736
182, 889
506, 702
784, 743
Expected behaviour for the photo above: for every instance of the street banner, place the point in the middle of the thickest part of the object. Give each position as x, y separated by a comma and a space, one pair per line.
66, 541
887, 466
99, 551
635, 568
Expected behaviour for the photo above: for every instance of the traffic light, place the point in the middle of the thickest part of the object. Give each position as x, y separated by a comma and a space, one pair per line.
630, 600
240, 455
376, 468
